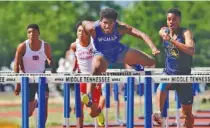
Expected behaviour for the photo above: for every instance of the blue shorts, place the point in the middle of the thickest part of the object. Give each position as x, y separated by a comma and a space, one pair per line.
116, 58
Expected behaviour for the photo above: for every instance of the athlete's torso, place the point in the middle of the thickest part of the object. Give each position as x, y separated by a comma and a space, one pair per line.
107, 44
177, 62
84, 57
34, 61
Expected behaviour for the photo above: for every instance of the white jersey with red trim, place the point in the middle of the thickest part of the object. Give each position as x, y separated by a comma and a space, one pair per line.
84, 57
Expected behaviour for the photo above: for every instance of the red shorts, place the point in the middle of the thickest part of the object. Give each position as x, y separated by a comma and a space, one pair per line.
96, 91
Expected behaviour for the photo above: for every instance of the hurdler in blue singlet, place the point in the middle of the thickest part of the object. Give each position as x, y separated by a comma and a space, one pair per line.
108, 45
177, 62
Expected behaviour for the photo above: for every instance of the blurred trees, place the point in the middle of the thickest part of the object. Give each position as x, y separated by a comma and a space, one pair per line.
57, 21
150, 16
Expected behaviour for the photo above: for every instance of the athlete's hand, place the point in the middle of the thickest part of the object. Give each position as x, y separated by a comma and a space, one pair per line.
155, 51
164, 33
17, 89
166, 37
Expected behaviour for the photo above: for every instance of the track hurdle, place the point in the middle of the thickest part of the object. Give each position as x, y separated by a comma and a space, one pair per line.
117, 104
66, 104
112, 79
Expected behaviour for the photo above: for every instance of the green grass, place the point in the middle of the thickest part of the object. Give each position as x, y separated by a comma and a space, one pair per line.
9, 96
56, 118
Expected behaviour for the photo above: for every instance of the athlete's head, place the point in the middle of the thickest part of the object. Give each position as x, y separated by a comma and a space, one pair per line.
33, 32
81, 33
173, 18
108, 17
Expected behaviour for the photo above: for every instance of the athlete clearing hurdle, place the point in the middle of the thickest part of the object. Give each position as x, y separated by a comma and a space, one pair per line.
106, 34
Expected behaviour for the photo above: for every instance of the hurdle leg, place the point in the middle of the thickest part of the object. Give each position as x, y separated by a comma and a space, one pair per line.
196, 92
106, 117
77, 102
66, 104
130, 104
36, 114
96, 123
41, 103
140, 93
25, 93
107, 103
125, 99
117, 103
148, 101
140, 106
165, 112
115, 91
178, 106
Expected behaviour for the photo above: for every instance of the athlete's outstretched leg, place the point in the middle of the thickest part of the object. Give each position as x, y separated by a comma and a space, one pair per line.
134, 56
185, 95
99, 65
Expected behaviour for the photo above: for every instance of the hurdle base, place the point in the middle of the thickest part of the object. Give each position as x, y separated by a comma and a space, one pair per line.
200, 116
120, 122
93, 125
173, 124
197, 124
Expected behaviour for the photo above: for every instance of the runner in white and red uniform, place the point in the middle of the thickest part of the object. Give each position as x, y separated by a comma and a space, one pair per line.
82, 49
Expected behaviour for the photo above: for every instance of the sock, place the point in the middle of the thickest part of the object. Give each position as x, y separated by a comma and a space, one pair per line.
90, 100
99, 110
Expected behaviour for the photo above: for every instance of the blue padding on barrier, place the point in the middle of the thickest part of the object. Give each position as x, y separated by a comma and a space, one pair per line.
116, 92
148, 100
66, 100
125, 91
140, 89
196, 88
77, 100
130, 103
25, 99
41, 102
107, 97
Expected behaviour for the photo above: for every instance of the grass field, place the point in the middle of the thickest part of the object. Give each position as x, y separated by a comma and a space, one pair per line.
11, 113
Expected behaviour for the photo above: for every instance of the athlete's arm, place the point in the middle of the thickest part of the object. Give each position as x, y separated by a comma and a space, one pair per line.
73, 47
71, 55
189, 46
18, 63
89, 27
126, 29
48, 53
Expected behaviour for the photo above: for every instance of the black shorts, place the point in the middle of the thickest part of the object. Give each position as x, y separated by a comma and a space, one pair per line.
33, 88
184, 92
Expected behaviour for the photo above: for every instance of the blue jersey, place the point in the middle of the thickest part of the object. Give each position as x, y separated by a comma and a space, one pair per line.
108, 44
177, 62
